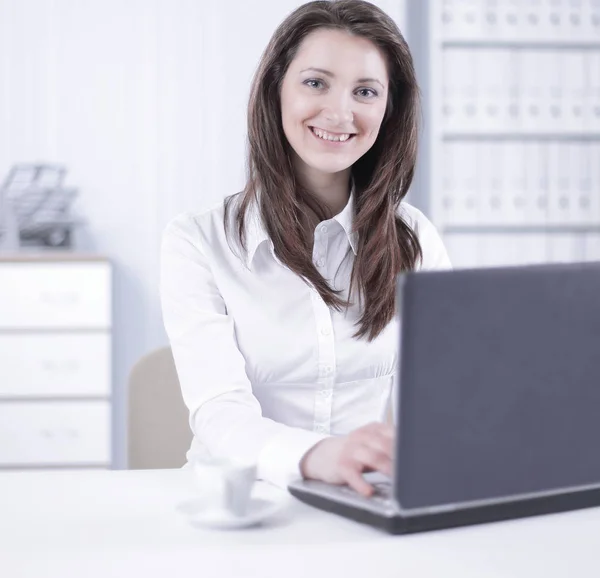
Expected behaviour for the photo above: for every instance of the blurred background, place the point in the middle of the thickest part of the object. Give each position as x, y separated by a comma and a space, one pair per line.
143, 105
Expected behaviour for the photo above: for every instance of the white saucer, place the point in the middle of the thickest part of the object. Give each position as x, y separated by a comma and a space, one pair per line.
259, 509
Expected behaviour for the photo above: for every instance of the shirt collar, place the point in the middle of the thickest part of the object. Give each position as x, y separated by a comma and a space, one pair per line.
256, 234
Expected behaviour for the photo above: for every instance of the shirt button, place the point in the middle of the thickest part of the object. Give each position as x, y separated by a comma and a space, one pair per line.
324, 229
325, 331
320, 262
320, 429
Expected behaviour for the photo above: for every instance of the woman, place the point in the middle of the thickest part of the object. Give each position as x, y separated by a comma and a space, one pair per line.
279, 302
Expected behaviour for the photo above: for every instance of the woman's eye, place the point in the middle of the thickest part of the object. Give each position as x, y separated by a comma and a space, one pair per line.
370, 92
311, 82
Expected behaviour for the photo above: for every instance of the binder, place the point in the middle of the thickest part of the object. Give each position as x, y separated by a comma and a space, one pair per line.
557, 183
530, 248
463, 249
449, 183
530, 82
508, 19
594, 76
491, 24
591, 247
574, 74
491, 177
530, 24
575, 210
536, 206
554, 20
514, 204
451, 93
588, 30
469, 21
498, 249
581, 182
448, 18
593, 159
493, 90
513, 112
565, 247
553, 112
469, 196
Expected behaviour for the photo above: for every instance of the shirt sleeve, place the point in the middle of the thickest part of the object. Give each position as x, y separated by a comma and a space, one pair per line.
435, 255
225, 416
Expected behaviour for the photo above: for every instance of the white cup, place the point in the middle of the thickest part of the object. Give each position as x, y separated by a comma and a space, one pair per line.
225, 484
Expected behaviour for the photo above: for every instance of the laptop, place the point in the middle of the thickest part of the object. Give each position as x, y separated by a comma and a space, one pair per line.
497, 404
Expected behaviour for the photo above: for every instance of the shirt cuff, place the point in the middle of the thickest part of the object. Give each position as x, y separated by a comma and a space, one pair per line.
279, 461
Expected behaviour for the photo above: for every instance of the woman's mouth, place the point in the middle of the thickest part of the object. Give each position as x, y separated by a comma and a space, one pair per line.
331, 138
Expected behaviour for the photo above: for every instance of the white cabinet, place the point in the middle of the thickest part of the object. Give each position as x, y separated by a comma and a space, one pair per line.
55, 361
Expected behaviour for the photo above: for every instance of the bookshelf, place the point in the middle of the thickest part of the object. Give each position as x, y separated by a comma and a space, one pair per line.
509, 168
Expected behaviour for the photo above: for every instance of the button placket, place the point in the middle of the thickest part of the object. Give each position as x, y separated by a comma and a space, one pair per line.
326, 366
320, 247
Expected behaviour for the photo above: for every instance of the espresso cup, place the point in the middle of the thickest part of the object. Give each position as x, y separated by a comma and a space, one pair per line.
226, 485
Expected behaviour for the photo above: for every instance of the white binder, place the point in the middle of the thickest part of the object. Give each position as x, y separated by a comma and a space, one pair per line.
581, 183
469, 193
591, 247
446, 11
556, 182
594, 84
514, 204
530, 25
469, 19
498, 249
593, 158
463, 249
574, 74
553, 109
574, 211
565, 247
530, 248
452, 95
449, 184
491, 66
491, 178
537, 197
530, 82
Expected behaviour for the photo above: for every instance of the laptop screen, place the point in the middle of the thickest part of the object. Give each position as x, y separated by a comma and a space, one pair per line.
499, 383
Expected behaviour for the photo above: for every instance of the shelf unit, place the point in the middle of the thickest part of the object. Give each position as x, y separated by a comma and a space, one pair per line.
509, 166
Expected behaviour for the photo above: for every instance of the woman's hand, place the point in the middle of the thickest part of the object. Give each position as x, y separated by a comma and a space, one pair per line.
343, 460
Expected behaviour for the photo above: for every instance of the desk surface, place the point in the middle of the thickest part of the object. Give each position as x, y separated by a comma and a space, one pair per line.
127, 523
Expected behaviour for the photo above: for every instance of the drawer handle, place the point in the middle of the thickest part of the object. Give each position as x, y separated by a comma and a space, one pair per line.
60, 366
68, 432
59, 298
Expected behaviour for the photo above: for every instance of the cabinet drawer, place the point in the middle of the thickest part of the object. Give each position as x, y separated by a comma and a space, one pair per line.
47, 365
54, 433
55, 295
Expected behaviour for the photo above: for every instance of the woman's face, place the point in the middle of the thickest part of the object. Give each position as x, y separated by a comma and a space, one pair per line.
333, 100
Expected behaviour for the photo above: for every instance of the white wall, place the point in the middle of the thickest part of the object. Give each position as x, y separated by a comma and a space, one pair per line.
145, 102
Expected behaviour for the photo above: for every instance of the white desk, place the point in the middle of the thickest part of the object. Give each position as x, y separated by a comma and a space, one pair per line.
110, 524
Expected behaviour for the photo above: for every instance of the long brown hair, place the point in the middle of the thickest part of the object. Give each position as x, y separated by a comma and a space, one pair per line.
387, 245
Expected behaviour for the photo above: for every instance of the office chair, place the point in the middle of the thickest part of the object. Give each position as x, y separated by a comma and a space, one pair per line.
159, 434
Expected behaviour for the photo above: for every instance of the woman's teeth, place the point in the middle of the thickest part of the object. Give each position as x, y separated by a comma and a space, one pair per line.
331, 137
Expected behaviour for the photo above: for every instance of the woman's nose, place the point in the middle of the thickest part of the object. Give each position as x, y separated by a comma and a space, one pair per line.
338, 111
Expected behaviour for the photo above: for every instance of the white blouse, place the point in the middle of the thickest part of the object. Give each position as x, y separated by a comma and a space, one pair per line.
266, 368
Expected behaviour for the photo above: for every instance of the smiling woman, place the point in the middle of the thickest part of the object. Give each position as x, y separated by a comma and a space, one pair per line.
280, 302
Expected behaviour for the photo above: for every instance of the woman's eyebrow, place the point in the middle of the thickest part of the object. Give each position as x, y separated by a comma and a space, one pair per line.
330, 74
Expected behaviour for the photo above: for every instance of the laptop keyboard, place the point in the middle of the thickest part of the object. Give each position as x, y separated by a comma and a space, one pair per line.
381, 498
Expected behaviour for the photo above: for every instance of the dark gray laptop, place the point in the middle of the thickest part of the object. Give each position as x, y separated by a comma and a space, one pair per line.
498, 407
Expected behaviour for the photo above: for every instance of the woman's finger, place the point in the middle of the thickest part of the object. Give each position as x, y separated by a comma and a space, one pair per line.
372, 459
352, 475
